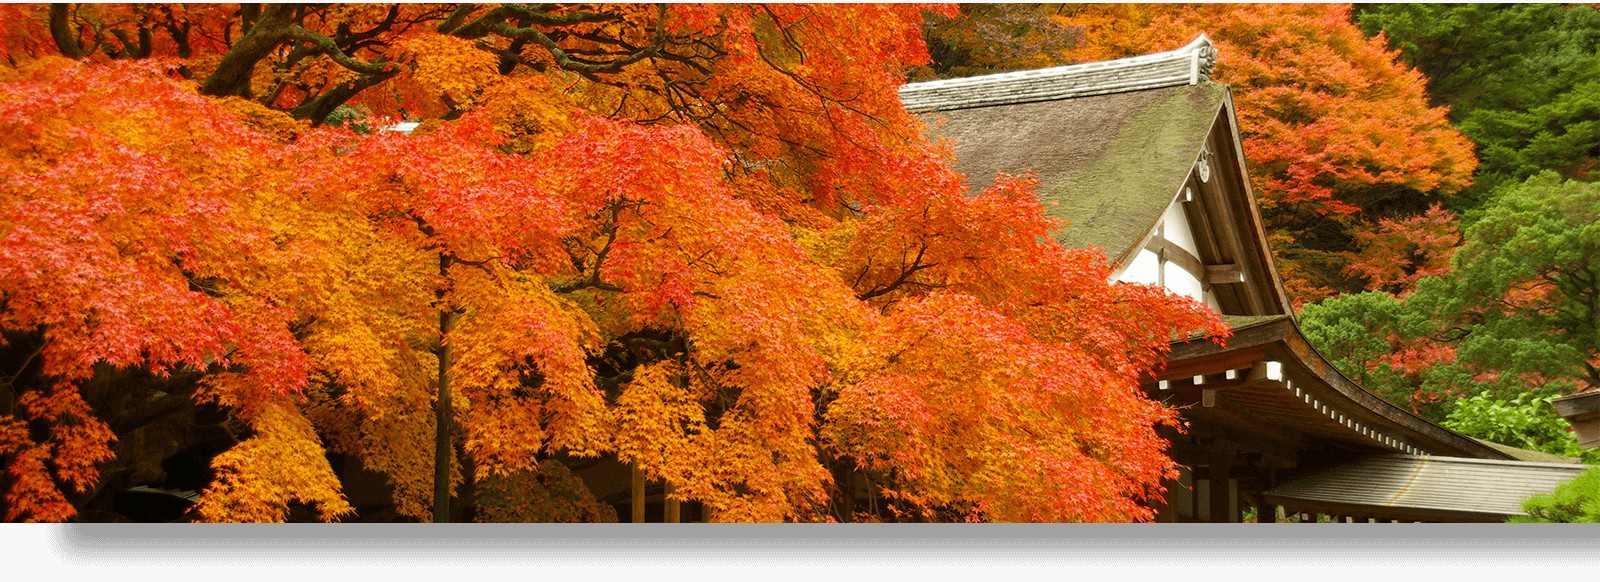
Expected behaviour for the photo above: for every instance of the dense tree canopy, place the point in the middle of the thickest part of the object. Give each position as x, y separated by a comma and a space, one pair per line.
1520, 79
1517, 312
986, 38
1524, 297
703, 240
1488, 343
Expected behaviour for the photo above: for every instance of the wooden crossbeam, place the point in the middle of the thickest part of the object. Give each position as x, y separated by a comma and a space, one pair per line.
1213, 364
1223, 274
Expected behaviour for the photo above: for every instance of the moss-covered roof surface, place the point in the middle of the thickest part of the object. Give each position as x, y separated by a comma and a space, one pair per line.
1243, 321
1235, 322
1108, 165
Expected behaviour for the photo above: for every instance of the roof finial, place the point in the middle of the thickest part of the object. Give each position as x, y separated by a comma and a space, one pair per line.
1203, 58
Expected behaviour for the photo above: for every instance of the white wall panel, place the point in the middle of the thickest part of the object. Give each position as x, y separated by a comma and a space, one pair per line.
1180, 282
1145, 268
1175, 225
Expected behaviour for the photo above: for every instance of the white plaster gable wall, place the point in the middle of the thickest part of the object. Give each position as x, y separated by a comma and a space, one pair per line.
1145, 268
1175, 227
1148, 268
1180, 282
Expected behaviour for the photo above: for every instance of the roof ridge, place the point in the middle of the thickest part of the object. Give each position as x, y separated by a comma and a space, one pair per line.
1471, 461
1184, 66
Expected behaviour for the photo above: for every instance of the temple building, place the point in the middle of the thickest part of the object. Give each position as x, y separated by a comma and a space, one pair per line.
1142, 158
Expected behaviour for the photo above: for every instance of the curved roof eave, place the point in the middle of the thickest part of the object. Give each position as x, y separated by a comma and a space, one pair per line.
1279, 336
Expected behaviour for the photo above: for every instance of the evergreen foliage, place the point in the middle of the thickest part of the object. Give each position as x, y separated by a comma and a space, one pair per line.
1516, 314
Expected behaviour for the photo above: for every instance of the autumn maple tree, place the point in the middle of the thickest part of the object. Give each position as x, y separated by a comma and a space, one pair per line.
705, 241
130, 240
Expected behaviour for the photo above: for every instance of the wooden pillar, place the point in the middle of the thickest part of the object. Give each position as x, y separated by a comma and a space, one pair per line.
1221, 496
1267, 513
638, 495
671, 507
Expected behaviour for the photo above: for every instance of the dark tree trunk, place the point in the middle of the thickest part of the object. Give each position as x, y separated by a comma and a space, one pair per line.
232, 76
443, 422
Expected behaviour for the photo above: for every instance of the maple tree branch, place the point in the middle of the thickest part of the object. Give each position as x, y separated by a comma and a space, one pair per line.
905, 276
180, 35
863, 274
592, 281
318, 109
328, 47
783, 29
12, 379
456, 17
345, 38
700, 260
130, 48
825, 99
689, 61
561, 56
673, 345
249, 15
486, 23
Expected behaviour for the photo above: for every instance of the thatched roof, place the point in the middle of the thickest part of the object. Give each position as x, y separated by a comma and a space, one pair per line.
1111, 142
1107, 164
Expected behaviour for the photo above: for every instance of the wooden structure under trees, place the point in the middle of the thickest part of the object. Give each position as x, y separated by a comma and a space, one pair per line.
1142, 157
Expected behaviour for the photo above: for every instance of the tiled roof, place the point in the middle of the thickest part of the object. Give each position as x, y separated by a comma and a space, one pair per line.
1186, 66
1446, 485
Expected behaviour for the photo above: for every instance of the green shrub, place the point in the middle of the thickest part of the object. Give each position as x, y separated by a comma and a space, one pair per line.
1576, 501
